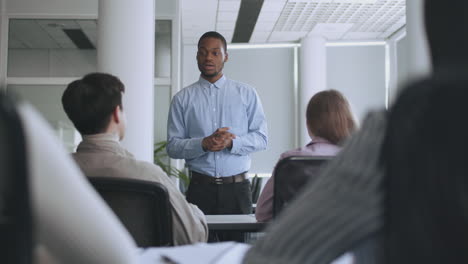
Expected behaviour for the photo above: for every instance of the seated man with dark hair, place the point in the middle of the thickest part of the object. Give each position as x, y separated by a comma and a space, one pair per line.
94, 105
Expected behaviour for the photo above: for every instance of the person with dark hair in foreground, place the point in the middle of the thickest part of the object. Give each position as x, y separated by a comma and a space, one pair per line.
94, 105
329, 123
215, 124
426, 181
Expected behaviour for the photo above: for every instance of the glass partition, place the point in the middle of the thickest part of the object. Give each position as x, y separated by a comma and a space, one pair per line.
67, 47
44, 55
51, 48
47, 100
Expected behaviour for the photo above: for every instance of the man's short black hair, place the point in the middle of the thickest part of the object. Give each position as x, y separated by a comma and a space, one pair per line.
89, 102
213, 34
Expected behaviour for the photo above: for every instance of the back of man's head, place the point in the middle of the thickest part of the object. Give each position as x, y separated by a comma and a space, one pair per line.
90, 101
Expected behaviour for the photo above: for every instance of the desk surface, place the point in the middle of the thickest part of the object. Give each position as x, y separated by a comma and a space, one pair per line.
246, 223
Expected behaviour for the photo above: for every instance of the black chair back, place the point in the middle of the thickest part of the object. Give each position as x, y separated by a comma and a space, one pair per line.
142, 206
291, 175
16, 239
255, 186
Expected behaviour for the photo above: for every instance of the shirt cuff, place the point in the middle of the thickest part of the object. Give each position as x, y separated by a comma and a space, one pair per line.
196, 145
236, 145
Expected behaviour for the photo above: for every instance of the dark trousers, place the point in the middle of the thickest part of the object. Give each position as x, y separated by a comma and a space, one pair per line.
213, 199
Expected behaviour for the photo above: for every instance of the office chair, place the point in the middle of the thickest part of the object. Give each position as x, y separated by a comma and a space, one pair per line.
16, 239
256, 185
291, 175
142, 206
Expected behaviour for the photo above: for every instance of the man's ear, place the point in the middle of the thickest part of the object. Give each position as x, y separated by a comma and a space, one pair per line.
116, 114
226, 57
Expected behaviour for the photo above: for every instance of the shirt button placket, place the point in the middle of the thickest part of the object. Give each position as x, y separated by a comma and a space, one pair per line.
213, 104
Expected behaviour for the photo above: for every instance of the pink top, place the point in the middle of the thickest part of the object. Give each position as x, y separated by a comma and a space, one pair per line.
317, 147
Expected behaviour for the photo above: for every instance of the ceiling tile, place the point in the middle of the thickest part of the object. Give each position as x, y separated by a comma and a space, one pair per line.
225, 26
227, 16
289, 20
228, 5
31, 34
286, 36
198, 17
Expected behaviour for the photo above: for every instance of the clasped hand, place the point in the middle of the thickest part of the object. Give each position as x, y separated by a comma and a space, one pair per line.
219, 140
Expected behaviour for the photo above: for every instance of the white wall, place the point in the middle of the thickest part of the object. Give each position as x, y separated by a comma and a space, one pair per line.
190, 72
359, 73
50, 62
45, 98
270, 71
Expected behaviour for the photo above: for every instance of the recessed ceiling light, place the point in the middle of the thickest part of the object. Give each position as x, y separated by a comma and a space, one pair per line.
335, 1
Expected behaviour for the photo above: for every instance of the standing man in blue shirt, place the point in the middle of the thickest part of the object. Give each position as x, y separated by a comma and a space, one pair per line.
214, 124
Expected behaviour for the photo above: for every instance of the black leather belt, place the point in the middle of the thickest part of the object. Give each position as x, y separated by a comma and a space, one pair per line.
199, 178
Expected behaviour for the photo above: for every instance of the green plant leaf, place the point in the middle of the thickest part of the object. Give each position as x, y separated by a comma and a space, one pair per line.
162, 160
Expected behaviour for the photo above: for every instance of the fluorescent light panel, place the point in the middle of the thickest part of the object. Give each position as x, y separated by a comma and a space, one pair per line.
262, 46
355, 43
292, 45
337, 1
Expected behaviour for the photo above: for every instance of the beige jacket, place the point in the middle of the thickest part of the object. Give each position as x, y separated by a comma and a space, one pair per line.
102, 155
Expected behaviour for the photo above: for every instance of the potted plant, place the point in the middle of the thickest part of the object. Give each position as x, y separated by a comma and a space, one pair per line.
162, 160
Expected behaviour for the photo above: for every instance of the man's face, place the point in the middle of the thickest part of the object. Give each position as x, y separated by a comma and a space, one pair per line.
211, 57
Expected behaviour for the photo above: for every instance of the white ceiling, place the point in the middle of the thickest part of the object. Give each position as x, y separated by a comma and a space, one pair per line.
278, 21
49, 33
290, 20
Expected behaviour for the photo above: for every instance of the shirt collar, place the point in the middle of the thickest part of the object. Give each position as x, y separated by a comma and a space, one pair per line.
100, 143
218, 84
103, 136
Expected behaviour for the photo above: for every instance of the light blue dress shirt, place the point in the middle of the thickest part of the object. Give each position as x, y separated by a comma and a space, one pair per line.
201, 108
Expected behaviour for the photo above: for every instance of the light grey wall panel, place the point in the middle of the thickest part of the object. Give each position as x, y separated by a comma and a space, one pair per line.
359, 73
50, 62
45, 98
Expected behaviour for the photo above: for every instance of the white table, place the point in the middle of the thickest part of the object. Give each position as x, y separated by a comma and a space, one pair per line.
245, 223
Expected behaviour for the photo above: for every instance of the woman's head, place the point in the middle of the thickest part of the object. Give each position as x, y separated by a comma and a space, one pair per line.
426, 172
329, 116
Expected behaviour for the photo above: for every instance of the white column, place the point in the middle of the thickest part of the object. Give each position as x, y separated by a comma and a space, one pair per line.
313, 77
418, 59
177, 69
126, 31
3, 45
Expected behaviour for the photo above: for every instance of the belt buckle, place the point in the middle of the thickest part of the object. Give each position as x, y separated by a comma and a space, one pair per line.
218, 180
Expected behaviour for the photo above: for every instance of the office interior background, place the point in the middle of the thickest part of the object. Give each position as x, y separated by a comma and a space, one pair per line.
369, 44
